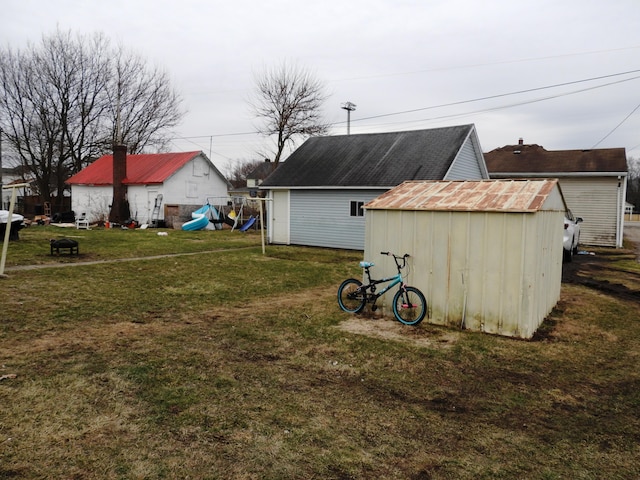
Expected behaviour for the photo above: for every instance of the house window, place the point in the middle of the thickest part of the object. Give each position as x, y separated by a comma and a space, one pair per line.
356, 209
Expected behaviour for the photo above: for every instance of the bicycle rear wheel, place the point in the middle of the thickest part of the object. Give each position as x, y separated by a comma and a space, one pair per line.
350, 298
409, 306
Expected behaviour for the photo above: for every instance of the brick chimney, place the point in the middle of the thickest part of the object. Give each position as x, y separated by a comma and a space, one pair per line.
120, 206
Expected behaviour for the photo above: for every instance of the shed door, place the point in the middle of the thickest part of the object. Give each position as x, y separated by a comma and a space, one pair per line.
151, 202
280, 217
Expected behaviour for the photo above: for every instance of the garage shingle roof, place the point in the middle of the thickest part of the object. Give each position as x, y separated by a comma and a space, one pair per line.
371, 160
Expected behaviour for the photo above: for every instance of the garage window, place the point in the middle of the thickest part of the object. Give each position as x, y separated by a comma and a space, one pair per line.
356, 209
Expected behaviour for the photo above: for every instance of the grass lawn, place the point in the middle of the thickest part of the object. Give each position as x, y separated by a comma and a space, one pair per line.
232, 364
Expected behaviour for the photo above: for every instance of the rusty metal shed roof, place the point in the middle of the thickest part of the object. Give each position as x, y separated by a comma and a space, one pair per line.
469, 196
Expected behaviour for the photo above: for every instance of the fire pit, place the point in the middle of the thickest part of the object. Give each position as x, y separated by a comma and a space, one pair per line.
64, 244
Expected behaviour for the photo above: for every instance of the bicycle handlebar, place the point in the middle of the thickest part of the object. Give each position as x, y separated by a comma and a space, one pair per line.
406, 255
398, 257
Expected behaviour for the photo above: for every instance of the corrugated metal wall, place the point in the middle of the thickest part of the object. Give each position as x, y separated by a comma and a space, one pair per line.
493, 272
595, 200
322, 218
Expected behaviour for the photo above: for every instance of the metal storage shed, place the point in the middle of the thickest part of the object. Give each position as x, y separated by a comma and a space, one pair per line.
486, 254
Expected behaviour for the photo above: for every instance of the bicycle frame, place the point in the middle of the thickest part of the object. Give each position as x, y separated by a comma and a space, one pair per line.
409, 304
396, 279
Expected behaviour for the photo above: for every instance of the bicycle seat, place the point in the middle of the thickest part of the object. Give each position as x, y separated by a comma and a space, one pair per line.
366, 264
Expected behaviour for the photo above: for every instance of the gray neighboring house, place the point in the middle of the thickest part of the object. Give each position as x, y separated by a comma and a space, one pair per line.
316, 196
593, 182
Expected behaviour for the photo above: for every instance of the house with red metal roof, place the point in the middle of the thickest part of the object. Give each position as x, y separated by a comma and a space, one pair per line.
162, 188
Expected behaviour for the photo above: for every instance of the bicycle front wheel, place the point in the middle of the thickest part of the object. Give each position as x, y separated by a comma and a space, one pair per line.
409, 306
350, 298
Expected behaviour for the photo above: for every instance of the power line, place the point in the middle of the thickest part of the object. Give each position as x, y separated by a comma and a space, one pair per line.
617, 126
527, 102
519, 92
462, 102
488, 64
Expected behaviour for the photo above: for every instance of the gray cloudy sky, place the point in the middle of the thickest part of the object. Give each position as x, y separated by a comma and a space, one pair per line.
406, 64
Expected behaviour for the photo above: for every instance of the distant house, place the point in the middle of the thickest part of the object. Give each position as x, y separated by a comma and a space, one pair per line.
254, 180
594, 183
316, 196
165, 187
13, 176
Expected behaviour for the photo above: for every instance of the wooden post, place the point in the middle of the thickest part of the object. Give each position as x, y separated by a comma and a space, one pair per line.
7, 231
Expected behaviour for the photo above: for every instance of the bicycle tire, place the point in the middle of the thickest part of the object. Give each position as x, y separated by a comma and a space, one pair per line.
409, 306
350, 298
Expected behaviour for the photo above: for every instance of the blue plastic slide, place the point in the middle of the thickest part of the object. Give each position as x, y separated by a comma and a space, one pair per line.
200, 219
248, 224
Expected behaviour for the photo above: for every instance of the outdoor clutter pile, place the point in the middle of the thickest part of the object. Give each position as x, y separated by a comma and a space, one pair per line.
17, 224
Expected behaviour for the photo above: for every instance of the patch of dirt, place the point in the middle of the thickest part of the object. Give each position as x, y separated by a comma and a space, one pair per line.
86, 337
423, 335
595, 271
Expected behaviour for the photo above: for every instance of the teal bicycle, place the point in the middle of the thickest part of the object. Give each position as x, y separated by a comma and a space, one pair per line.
409, 304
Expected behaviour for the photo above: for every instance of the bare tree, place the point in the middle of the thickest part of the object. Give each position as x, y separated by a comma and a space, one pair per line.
143, 104
237, 171
59, 102
633, 182
288, 100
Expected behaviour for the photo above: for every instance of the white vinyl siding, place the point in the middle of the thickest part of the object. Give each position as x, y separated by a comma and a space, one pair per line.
465, 166
322, 218
595, 200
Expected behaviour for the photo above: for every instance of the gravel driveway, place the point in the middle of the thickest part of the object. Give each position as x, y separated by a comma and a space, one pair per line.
632, 233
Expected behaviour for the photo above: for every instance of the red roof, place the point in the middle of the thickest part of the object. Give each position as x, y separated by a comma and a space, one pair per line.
143, 169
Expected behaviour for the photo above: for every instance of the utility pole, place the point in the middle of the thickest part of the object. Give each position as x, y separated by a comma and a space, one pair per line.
349, 107
1, 182
1, 161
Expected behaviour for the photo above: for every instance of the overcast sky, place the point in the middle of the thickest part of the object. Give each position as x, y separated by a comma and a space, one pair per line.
406, 64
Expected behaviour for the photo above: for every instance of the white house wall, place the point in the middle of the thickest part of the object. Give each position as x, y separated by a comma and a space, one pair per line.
93, 201
491, 272
193, 183
142, 200
322, 218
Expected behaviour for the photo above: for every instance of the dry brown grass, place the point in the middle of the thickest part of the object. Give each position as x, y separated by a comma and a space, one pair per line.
188, 380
